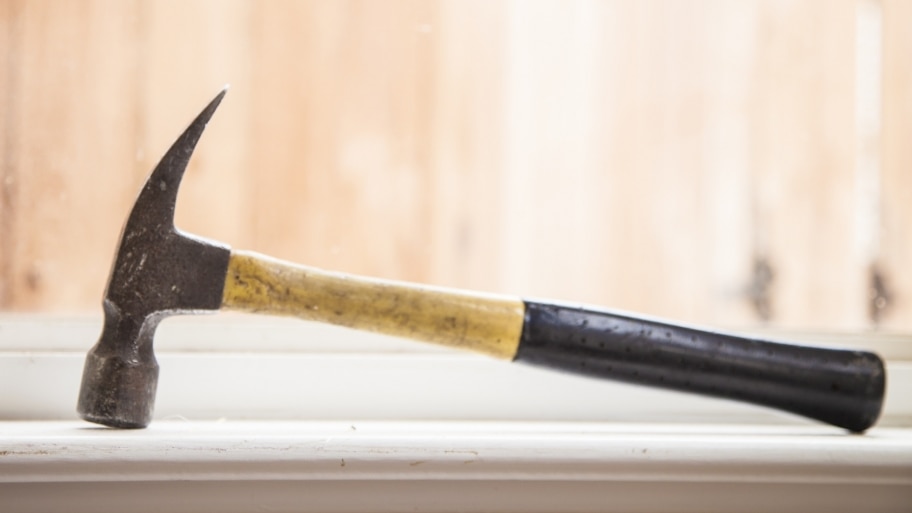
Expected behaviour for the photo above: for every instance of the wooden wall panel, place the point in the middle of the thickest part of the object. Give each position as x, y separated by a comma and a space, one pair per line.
10, 47
342, 114
467, 144
70, 115
896, 185
557, 193
638, 154
803, 163
187, 52
626, 166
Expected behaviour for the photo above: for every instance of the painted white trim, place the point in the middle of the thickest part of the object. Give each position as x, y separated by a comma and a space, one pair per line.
346, 421
446, 466
249, 368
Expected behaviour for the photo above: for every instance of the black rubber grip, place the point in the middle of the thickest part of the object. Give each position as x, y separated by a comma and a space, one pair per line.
840, 387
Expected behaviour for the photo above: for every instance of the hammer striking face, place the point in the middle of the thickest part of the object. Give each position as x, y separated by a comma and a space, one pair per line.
159, 271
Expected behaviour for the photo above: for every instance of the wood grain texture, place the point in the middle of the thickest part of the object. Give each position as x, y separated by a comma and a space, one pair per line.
347, 128
69, 148
803, 136
486, 324
626, 169
636, 154
896, 185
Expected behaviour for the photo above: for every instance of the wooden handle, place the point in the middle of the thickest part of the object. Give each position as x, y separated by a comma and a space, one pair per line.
841, 387
487, 324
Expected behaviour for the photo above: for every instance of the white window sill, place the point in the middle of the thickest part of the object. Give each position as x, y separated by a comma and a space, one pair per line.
329, 420
444, 466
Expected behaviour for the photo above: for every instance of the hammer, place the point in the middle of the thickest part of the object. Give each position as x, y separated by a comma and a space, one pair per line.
160, 271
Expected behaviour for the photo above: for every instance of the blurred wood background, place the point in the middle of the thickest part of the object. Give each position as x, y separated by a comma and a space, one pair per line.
712, 161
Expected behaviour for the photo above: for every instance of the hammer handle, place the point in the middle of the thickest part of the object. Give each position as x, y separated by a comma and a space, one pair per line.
483, 323
840, 387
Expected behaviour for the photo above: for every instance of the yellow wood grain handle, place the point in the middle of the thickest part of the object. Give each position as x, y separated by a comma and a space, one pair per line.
483, 323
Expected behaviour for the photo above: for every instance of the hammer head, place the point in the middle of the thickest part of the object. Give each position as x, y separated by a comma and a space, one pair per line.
158, 271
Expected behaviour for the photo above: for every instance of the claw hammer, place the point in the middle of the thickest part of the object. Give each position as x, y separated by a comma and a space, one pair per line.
160, 271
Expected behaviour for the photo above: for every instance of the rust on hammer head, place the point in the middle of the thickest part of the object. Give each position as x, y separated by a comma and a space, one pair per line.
158, 271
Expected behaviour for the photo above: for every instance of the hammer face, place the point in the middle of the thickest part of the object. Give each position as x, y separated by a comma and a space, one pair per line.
118, 393
120, 379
